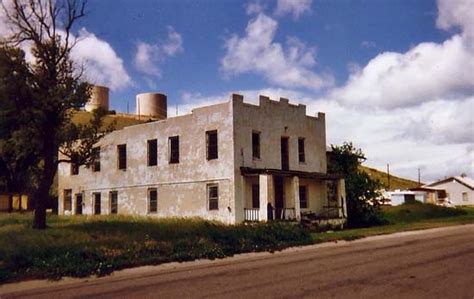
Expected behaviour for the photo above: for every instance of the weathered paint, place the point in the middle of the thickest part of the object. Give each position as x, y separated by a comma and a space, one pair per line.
182, 187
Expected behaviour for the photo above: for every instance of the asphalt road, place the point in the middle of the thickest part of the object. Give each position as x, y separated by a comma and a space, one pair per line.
429, 264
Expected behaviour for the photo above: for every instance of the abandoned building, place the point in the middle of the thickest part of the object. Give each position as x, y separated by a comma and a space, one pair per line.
231, 162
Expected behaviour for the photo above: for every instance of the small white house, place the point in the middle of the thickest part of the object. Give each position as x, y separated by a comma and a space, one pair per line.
459, 189
399, 197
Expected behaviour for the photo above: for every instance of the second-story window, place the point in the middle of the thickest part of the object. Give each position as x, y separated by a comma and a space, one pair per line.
301, 154
173, 149
74, 168
122, 156
211, 142
96, 159
152, 147
256, 145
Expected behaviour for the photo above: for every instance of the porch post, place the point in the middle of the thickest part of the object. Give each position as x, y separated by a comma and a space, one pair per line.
295, 184
266, 191
341, 198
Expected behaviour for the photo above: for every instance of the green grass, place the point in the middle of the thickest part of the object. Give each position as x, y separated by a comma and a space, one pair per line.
79, 246
395, 182
83, 117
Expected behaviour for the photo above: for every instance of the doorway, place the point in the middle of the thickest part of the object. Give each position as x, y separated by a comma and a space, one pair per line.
79, 204
279, 196
285, 165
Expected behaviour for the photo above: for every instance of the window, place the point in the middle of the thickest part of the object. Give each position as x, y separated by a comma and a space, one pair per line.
97, 203
173, 148
152, 200
113, 197
303, 197
152, 147
122, 156
213, 196
68, 200
96, 159
301, 154
74, 168
211, 142
465, 196
256, 145
256, 196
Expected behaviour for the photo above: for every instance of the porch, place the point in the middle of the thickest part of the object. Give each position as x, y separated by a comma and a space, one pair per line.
273, 194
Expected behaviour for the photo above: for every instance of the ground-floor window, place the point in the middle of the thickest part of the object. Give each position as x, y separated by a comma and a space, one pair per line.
67, 200
213, 196
97, 203
152, 200
79, 202
303, 197
255, 196
113, 196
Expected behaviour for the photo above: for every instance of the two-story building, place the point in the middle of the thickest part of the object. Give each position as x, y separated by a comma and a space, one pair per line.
231, 162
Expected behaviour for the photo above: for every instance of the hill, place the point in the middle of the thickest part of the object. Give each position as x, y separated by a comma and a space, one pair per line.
121, 120
395, 182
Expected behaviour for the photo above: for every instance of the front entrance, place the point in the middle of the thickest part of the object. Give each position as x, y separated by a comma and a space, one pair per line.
79, 204
279, 196
285, 165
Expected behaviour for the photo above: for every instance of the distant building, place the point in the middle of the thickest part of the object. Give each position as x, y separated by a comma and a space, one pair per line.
231, 162
459, 190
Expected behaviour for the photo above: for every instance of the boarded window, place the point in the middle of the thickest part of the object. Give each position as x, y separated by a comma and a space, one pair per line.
301, 154
68, 200
256, 196
152, 200
96, 159
152, 147
113, 197
122, 156
303, 197
74, 168
173, 147
211, 142
213, 196
97, 203
256, 145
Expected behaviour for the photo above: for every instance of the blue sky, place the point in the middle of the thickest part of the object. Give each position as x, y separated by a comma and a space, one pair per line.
395, 77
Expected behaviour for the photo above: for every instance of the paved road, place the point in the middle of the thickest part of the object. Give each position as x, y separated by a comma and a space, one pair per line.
430, 264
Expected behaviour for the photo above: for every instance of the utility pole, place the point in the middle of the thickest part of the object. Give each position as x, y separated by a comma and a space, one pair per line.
419, 177
176, 109
388, 176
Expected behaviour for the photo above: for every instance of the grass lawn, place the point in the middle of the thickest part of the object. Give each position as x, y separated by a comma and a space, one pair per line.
97, 245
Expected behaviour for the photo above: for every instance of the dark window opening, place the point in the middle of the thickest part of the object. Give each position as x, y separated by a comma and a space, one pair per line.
122, 156
173, 143
285, 156
96, 159
213, 196
74, 168
67, 200
256, 145
301, 153
255, 196
211, 141
97, 203
79, 203
152, 146
152, 201
303, 197
113, 195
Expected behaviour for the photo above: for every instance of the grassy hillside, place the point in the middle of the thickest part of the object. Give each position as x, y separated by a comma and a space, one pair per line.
395, 182
121, 121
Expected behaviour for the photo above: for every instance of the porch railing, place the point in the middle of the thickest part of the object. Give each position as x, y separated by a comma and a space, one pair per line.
251, 214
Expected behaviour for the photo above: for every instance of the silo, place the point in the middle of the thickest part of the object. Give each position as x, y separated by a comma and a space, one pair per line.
99, 98
152, 104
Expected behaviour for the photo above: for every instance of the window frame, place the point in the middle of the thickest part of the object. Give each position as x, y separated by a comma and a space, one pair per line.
212, 150
305, 197
68, 198
113, 205
97, 203
152, 153
212, 201
149, 205
256, 145
301, 150
122, 156
173, 153
96, 159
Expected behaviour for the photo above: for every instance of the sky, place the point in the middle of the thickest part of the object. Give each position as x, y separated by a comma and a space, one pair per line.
395, 77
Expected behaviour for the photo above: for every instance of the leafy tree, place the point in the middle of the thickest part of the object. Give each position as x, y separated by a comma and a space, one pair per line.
362, 192
50, 90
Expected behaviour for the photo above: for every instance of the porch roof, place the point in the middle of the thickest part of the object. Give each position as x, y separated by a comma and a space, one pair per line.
250, 171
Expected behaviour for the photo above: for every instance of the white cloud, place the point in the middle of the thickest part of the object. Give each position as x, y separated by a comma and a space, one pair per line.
102, 64
457, 13
257, 52
294, 7
148, 57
